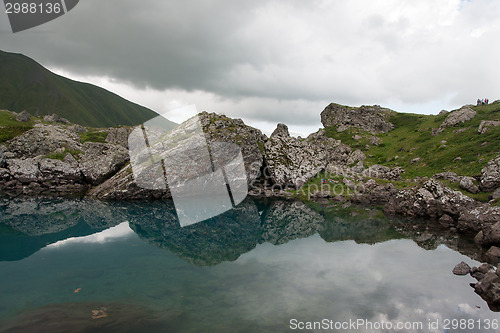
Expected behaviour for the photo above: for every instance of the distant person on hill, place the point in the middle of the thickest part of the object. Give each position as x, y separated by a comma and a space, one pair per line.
478, 101
486, 101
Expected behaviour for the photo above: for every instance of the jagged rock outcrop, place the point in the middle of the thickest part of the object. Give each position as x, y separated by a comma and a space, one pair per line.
383, 172
101, 160
122, 186
23, 116
431, 199
118, 136
372, 119
373, 193
467, 183
54, 118
291, 162
42, 140
490, 175
485, 125
219, 128
465, 113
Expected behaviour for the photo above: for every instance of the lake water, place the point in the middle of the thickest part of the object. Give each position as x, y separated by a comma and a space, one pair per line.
267, 266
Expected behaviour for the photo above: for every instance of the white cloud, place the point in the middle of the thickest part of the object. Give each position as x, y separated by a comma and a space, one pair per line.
279, 61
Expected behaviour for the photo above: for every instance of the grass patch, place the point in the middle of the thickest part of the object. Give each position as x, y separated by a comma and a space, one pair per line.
93, 136
459, 149
62, 155
10, 127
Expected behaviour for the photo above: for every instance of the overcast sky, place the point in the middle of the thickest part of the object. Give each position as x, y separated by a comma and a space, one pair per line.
275, 61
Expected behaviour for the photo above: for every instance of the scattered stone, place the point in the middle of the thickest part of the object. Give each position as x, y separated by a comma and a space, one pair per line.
375, 140
442, 112
495, 194
383, 172
467, 183
415, 160
486, 125
54, 118
456, 159
357, 137
23, 117
461, 269
490, 175
450, 176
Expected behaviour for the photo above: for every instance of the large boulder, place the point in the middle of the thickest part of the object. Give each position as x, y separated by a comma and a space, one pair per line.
462, 115
23, 117
383, 172
219, 128
44, 139
372, 119
490, 175
101, 160
467, 183
118, 136
122, 186
431, 199
291, 161
486, 125
54, 118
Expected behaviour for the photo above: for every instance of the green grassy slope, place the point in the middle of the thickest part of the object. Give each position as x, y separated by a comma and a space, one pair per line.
26, 85
460, 149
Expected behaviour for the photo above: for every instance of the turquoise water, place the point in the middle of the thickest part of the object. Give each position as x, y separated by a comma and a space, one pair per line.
250, 270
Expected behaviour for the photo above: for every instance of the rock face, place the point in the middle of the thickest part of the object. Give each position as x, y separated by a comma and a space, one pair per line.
372, 119
431, 199
467, 183
291, 162
101, 160
490, 175
219, 128
383, 172
465, 113
122, 186
486, 125
118, 136
44, 139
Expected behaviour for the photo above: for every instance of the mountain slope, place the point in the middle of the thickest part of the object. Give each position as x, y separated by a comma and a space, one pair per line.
26, 85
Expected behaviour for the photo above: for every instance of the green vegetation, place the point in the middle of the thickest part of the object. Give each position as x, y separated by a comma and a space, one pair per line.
10, 127
26, 85
94, 136
62, 154
459, 149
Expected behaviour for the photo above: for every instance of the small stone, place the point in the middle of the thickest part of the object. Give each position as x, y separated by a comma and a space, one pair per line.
23, 117
461, 269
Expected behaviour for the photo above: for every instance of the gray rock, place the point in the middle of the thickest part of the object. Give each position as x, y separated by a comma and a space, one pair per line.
77, 128
23, 117
442, 112
383, 172
490, 175
446, 220
467, 183
56, 170
486, 125
24, 170
291, 161
118, 136
462, 115
42, 140
493, 255
368, 118
495, 194
219, 128
489, 235
375, 140
451, 176
489, 290
122, 186
475, 219
461, 269
54, 118
101, 160
431, 199
415, 160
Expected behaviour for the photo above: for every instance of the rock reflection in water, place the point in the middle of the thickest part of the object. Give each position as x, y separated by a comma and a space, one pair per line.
31, 224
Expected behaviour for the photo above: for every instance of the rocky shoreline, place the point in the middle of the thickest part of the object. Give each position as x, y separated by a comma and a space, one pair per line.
57, 158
